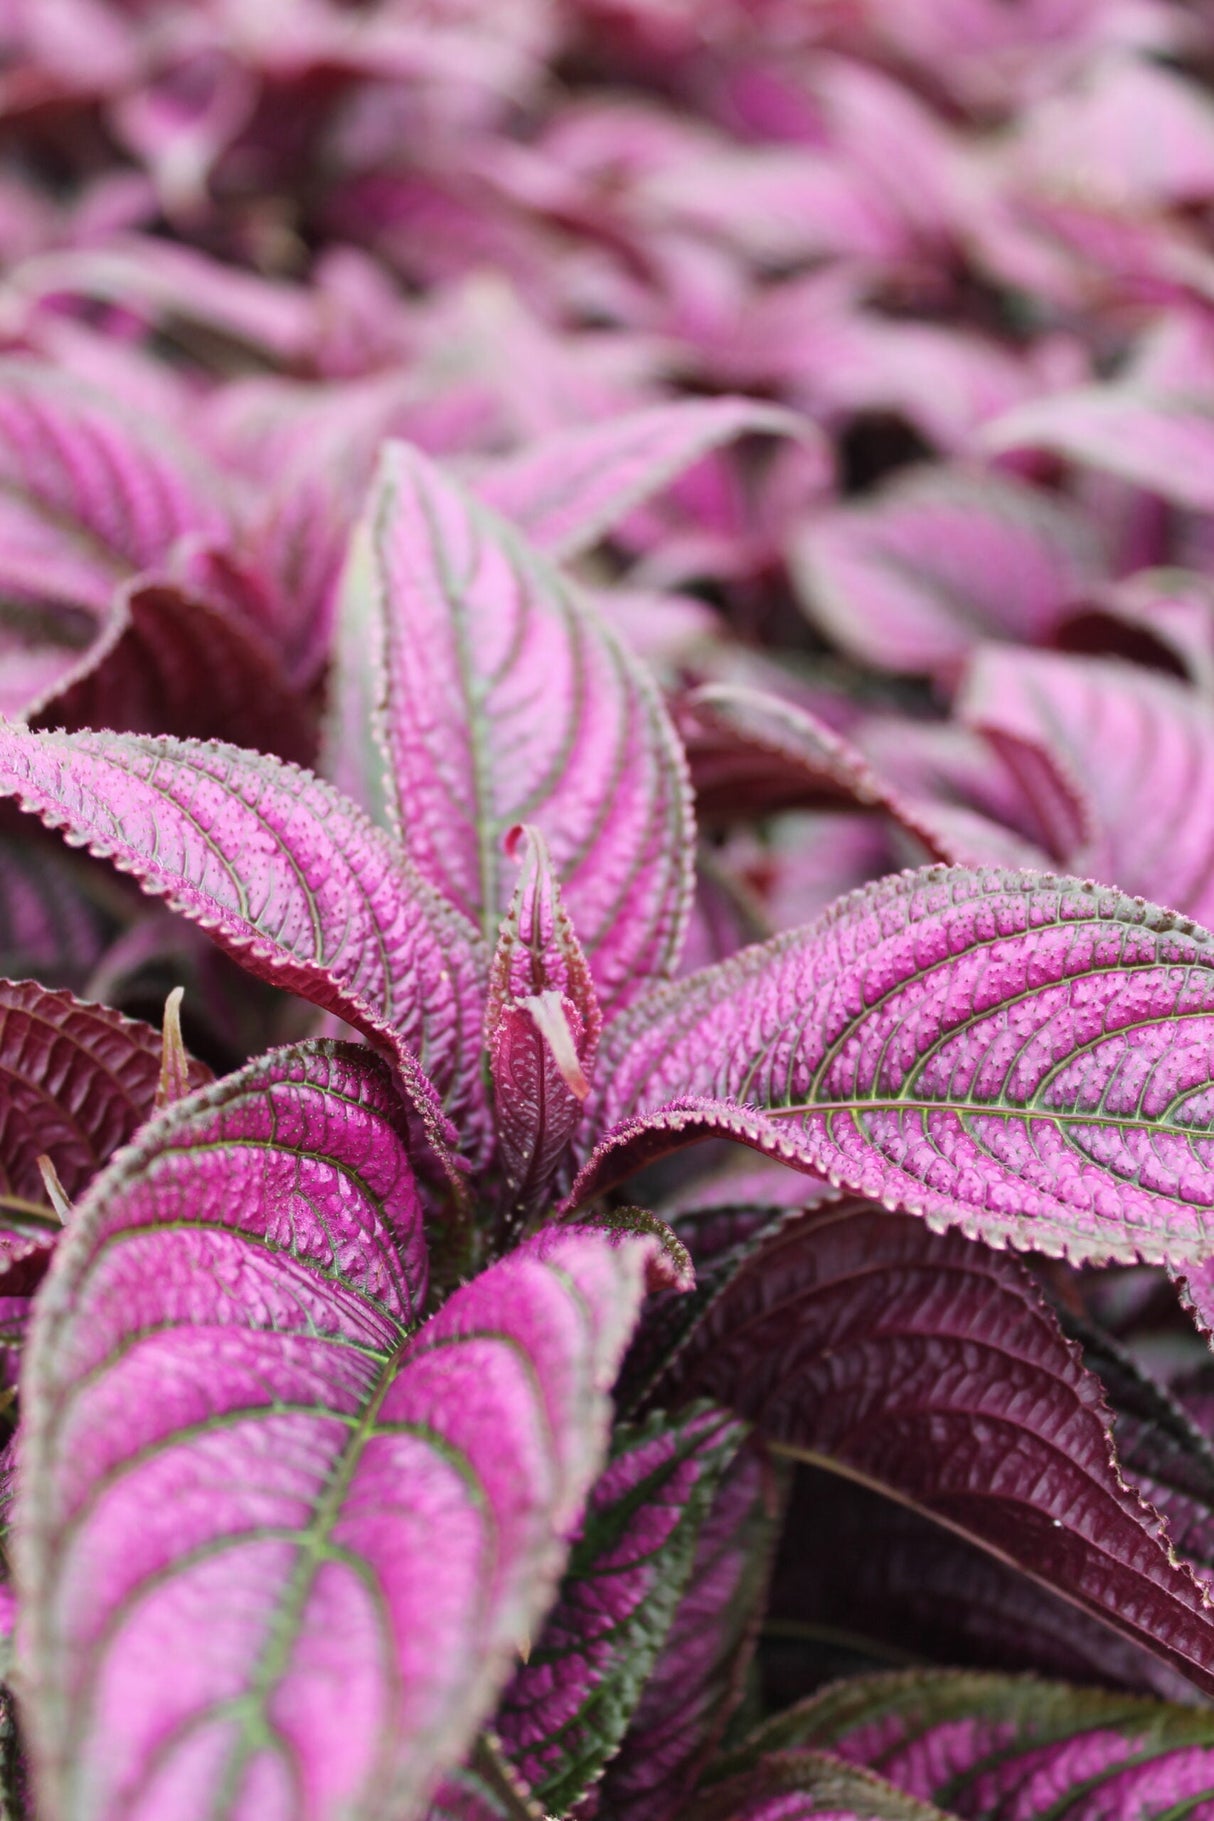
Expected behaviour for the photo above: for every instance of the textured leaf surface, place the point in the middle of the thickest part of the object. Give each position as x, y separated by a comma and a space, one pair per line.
278, 1548
567, 1709
76, 1081
475, 691
1139, 750
542, 1027
565, 491
280, 871
930, 1369
699, 1676
939, 562
1026, 1057
994, 1748
809, 1786
1163, 441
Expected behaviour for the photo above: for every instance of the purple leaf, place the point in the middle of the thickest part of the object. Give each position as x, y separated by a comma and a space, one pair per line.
1163, 441
567, 490
476, 691
698, 1678
809, 1786
567, 1709
1021, 1056
1162, 618
90, 491
994, 1746
173, 661
276, 1548
931, 1370
1137, 749
940, 561
542, 1028
51, 929
76, 1082
282, 873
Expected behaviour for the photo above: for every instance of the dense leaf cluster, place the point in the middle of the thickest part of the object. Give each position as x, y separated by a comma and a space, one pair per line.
606, 870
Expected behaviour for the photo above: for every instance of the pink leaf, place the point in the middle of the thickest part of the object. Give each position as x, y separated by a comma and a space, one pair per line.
283, 874
475, 690
276, 1547
938, 562
1022, 1056
1163, 441
568, 489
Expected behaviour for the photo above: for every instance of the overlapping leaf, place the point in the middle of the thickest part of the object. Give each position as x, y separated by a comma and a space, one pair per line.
996, 1747
566, 490
568, 1708
281, 872
475, 691
76, 1081
699, 1676
277, 1548
1028, 1058
1163, 441
940, 561
930, 1369
1138, 749
809, 1786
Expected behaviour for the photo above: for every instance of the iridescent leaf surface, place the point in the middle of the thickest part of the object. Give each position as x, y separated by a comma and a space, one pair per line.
277, 1545
930, 1369
568, 1708
938, 562
1025, 1057
566, 490
1139, 749
474, 691
281, 872
993, 1747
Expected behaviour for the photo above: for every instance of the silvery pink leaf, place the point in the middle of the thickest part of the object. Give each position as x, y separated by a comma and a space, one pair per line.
78, 1082
90, 492
942, 559
50, 927
567, 490
1136, 746
699, 1676
282, 873
1162, 618
1142, 134
1163, 441
960, 789
569, 1706
547, 719
542, 1027
751, 754
809, 1786
808, 861
170, 660
931, 1369
276, 1546
1019, 1055
997, 1747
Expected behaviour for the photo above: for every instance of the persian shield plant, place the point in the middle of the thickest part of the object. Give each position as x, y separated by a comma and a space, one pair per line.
318, 1507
